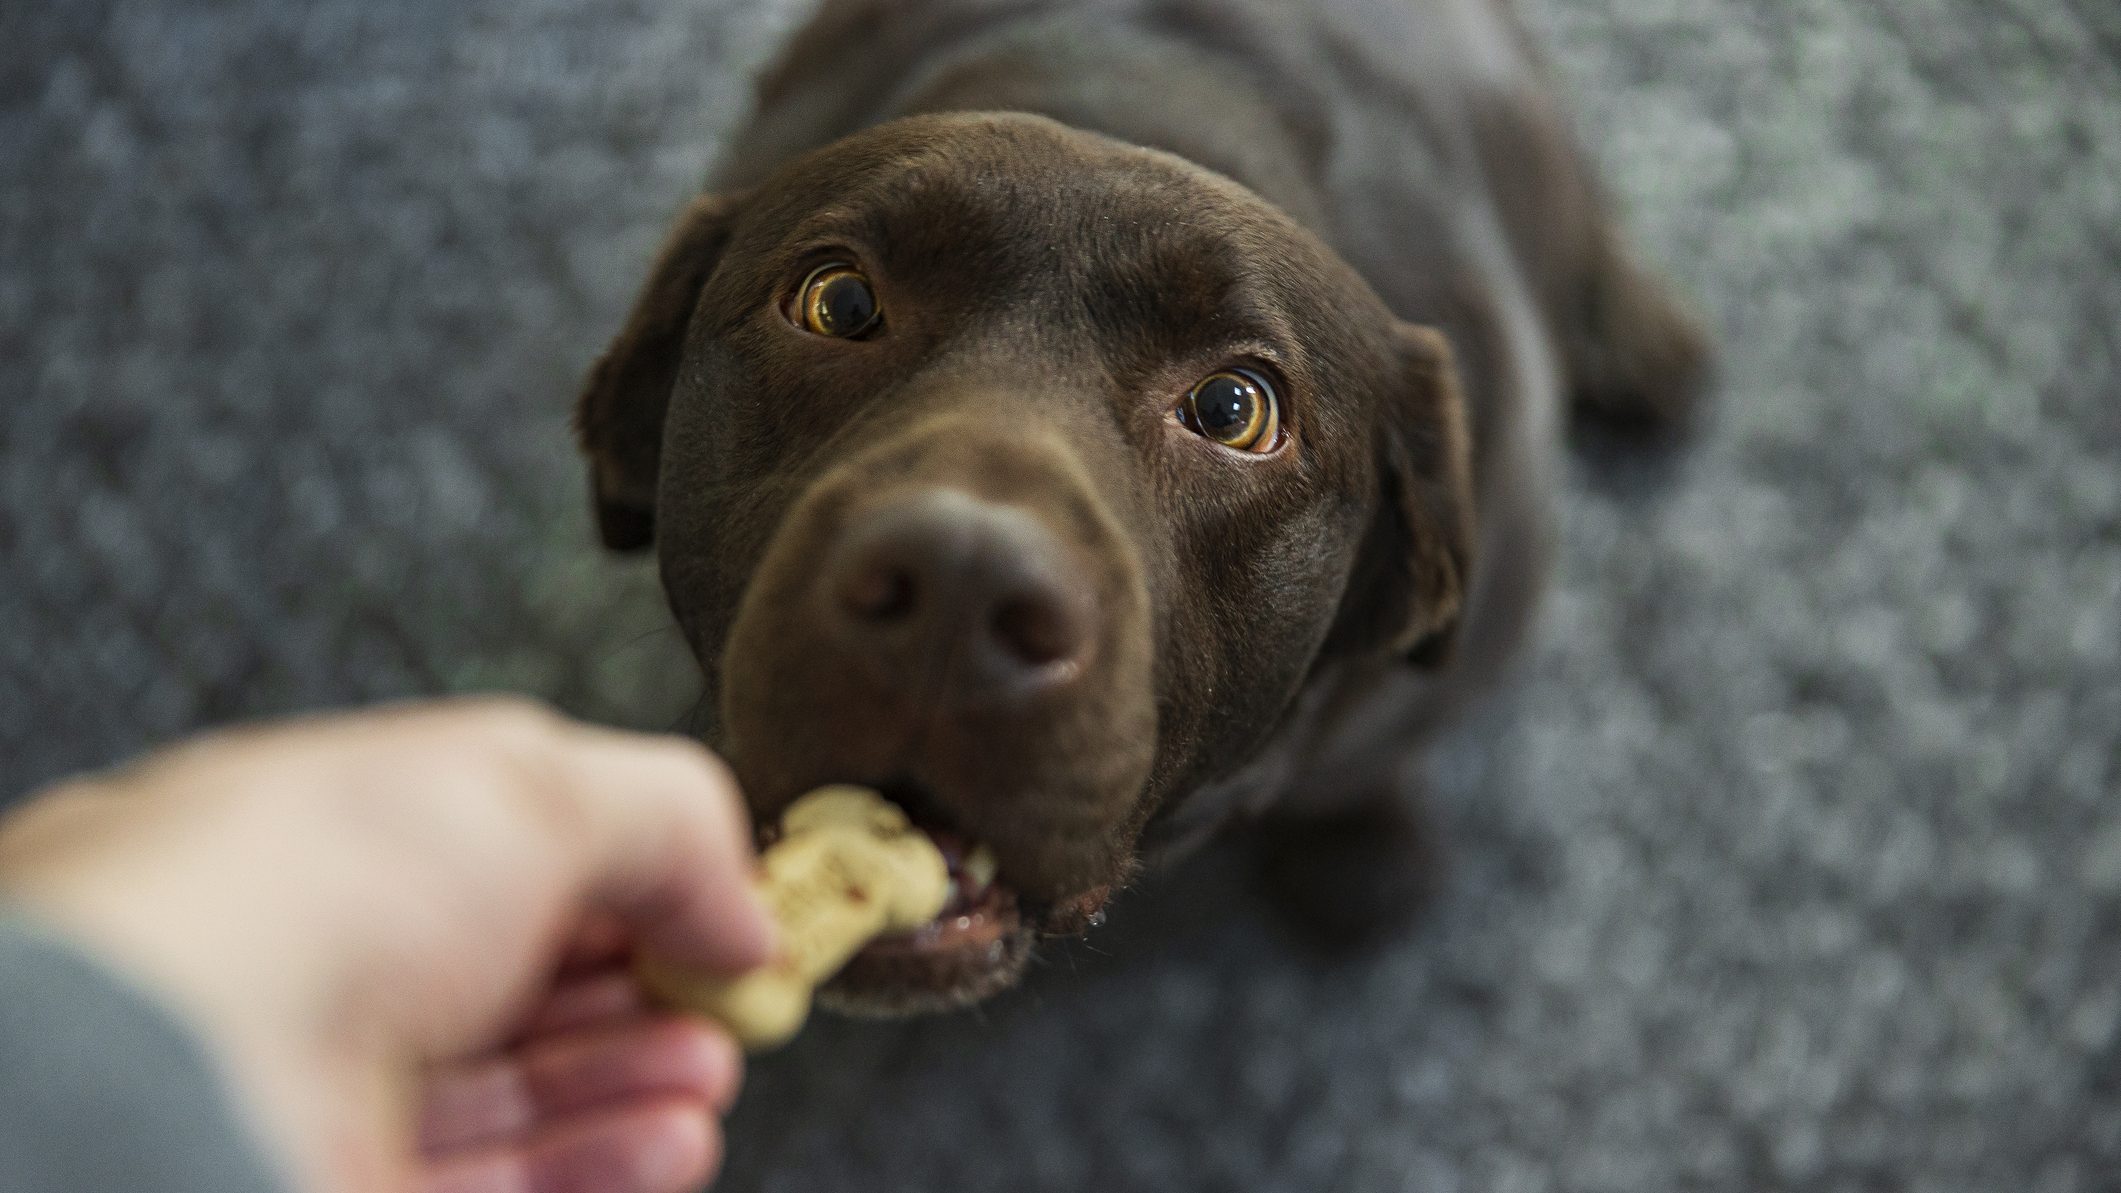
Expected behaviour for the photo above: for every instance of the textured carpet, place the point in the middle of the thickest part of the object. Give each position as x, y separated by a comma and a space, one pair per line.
1788, 864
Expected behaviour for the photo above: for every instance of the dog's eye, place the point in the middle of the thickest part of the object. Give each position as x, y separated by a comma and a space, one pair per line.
1235, 408
836, 301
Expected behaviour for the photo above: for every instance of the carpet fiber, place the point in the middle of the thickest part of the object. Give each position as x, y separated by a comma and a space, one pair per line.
1789, 863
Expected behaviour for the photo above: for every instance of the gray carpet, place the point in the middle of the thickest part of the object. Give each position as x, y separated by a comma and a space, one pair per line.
1787, 865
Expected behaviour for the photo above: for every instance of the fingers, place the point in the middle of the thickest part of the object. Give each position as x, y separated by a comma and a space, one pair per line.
666, 1146
586, 1001
547, 1083
600, 941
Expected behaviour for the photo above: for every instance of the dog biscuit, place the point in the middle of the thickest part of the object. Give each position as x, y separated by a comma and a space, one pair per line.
848, 868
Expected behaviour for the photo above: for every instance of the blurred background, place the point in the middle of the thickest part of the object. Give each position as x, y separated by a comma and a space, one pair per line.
1790, 862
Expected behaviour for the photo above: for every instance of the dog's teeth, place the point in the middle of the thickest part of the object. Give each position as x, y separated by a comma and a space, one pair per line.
980, 867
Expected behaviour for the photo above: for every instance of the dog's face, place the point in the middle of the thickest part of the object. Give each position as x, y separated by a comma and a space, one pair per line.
1024, 475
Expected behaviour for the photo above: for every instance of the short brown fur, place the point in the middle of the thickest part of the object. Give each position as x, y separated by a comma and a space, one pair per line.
1069, 216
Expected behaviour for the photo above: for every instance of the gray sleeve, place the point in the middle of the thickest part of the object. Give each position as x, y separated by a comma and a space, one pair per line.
104, 1091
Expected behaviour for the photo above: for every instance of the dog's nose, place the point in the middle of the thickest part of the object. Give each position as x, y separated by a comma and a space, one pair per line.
960, 600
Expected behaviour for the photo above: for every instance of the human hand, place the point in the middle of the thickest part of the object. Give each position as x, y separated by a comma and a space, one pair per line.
403, 932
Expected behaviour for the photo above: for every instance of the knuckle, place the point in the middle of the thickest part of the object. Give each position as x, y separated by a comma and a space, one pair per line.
722, 804
501, 727
510, 747
699, 759
533, 790
512, 717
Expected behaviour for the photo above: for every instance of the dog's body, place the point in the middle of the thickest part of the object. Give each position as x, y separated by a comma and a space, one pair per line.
1415, 141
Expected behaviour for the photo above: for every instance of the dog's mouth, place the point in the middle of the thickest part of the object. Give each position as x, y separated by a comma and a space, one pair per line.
982, 910
976, 946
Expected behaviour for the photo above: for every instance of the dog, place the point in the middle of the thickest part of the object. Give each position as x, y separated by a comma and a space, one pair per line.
1095, 424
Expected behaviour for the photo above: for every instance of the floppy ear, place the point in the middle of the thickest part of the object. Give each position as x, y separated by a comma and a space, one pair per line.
620, 415
1411, 571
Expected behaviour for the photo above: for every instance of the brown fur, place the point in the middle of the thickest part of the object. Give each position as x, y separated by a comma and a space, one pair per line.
1058, 263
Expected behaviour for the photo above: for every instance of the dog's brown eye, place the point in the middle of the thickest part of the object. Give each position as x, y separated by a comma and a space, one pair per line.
836, 301
1235, 408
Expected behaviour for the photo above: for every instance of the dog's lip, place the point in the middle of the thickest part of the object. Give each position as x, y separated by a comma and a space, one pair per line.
965, 929
981, 923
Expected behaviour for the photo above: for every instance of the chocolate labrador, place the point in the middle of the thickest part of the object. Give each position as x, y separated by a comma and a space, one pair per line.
1094, 423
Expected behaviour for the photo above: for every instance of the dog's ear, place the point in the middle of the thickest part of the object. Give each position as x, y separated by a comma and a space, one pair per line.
1411, 570
620, 415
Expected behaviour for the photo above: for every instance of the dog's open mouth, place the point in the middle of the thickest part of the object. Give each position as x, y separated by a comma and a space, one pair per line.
981, 913
975, 947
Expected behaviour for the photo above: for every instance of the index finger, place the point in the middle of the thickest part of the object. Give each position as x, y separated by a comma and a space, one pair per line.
663, 840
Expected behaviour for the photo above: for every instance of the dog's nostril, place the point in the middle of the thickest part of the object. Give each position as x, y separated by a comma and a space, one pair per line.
965, 601
880, 593
1035, 630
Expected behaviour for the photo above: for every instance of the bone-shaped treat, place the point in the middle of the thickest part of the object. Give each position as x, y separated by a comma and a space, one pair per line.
848, 868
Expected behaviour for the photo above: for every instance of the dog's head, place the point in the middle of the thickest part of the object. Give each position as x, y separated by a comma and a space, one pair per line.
1024, 475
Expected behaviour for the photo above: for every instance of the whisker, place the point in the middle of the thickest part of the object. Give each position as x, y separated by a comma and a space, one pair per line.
634, 642
688, 721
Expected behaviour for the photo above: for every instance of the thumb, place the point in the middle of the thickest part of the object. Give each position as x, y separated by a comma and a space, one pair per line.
665, 843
